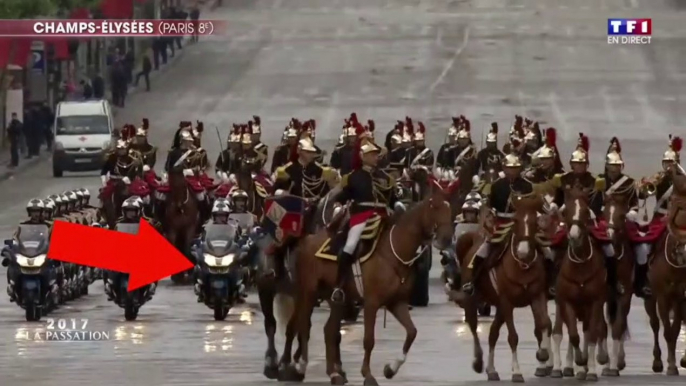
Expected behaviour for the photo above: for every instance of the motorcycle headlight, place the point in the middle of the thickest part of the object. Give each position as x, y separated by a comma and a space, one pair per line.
219, 261
30, 262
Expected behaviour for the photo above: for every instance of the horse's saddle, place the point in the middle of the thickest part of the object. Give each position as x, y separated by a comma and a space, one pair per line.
263, 185
366, 247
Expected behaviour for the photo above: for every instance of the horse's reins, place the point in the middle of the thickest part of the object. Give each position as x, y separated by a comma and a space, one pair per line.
523, 265
576, 259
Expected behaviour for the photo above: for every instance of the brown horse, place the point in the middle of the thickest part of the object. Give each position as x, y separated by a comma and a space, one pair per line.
111, 208
667, 275
182, 215
387, 278
618, 306
517, 279
581, 290
246, 180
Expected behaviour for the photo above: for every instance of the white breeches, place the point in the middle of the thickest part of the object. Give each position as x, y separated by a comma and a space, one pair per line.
353, 238
642, 251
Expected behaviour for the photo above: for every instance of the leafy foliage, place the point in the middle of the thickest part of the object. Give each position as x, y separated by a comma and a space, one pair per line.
27, 9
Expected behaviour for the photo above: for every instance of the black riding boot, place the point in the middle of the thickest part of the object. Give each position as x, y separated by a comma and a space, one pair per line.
345, 260
468, 287
551, 276
641, 286
611, 267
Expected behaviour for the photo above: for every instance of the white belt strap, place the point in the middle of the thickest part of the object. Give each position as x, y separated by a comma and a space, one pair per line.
420, 155
505, 215
616, 185
183, 158
462, 154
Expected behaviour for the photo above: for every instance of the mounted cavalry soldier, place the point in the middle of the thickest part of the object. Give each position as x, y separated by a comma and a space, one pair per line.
490, 159
283, 152
200, 161
661, 186
419, 154
445, 158
342, 156
259, 148
146, 151
516, 136
309, 131
500, 204
396, 150
465, 153
228, 161
303, 177
532, 141
546, 164
370, 192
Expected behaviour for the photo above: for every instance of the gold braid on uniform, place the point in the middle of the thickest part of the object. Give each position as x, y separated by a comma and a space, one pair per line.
382, 189
311, 185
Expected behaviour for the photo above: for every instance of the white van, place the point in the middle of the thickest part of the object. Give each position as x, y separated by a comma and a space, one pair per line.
83, 133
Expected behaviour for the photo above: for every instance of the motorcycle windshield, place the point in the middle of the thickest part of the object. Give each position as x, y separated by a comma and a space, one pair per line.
245, 220
219, 239
127, 228
33, 240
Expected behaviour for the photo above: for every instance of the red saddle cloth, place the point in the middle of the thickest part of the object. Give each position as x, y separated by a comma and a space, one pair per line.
559, 237
207, 181
151, 179
193, 183
263, 179
599, 229
648, 233
137, 187
449, 186
223, 190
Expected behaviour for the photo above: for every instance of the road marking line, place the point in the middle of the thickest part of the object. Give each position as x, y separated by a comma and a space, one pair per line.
451, 62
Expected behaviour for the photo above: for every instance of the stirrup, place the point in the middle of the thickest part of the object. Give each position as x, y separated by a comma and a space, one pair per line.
336, 293
468, 288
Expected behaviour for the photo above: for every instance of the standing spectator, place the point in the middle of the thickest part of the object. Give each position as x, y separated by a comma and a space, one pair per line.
129, 62
195, 17
29, 126
156, 53
14, 130
162, 44
181, 16
98, 84
145, 71
119, 83
87, 89
114, 84
48, 120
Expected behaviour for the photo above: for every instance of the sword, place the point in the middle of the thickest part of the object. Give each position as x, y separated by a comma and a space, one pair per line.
221, 147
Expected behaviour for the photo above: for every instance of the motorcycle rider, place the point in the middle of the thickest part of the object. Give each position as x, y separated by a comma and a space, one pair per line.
364, 189
49, 210
470, 209
221, 211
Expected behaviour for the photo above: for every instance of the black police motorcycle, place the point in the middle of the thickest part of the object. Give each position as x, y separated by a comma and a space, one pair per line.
218, 273
117, 283
32, 276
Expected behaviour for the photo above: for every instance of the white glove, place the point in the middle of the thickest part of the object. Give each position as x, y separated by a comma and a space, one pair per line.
146, 168
223, 176
632, 216
279, 192
232, 178
126, 180
165, 177
103, 178
337, 210
553, 207
438, 173
399, 205
476, 179
188, 172
501, 174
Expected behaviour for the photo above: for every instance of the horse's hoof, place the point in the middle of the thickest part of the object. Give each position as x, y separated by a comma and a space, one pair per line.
338, 379
493, 376
568, 372
478, 365
658, 367
370, 381
542, 355
608, 372
388, 372
517, 378
541, 372
672, 370
580, 375
344, 375
290, 374
682, 362
271, 372
548, 370
592, 377
621, 364
556, 373
602, 358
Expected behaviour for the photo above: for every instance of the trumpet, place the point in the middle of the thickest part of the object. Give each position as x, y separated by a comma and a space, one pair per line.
648, 186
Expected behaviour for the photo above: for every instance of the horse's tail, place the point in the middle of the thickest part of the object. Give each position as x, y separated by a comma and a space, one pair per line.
612, 308
284, 307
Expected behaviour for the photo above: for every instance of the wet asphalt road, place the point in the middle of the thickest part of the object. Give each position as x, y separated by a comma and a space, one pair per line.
486, 59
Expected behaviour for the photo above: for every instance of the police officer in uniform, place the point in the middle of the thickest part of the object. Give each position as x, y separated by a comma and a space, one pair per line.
661, 186
490, 157
370, 191
500, 203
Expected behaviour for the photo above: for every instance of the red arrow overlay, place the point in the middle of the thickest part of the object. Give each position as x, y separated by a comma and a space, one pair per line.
147, 257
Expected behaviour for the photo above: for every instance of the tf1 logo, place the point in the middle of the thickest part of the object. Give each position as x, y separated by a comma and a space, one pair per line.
629, 31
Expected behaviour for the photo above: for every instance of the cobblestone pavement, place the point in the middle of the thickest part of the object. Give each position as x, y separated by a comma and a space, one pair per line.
487, 59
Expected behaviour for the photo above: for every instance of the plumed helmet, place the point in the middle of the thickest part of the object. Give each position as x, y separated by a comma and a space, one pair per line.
306, 144
673, 150
548, 150
408, 130
492, 135
246, 134
420, 135
256, 125
465, 129
512, 161
143, 130
185, 135
35, 204
614, 153
580, 154
452, 130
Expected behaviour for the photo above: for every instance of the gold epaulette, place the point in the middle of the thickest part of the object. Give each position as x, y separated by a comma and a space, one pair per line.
329, 174
600, 184
281, 173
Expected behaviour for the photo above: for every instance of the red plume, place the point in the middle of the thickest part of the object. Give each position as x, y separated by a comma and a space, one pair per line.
146, 124
422, 129
677, 143
494, 127
256, 119
615, 142
585, 144
467, 125
370, 125
313, 124
353, 118
408, 123
551, 138
456, 122
359, 129
200, 127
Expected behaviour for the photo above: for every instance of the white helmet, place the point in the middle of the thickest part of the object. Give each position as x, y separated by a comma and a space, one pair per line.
35, 204
473, 196
131, 203
471, 205
49, 204
221, 206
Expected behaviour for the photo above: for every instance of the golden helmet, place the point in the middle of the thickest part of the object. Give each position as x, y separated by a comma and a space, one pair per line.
291, 132
349, 129
512, 161
122, 144
614, 153
580, 155
368, 146
492, 135
672, 152
235, 135
186, 136
408, 130
465, 130
548, 150
246, 138
306, 144
239, 193
420, 135
452, 130
545, 152
396, 138
256, 127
